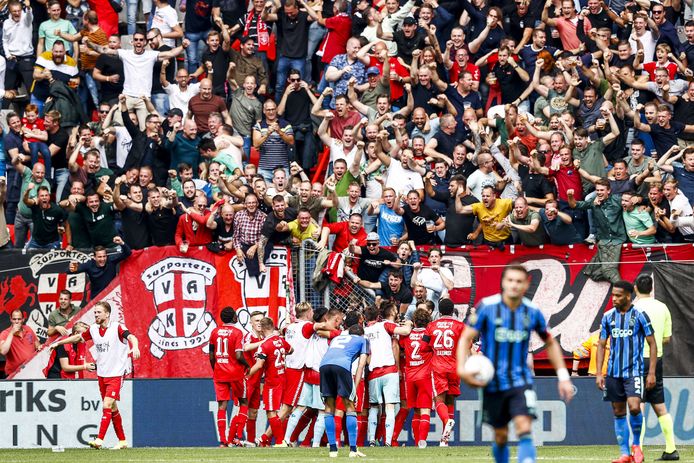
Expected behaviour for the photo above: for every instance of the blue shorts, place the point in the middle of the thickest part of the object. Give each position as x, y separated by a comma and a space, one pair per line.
619, 389
385, 389
499, 408
335, 381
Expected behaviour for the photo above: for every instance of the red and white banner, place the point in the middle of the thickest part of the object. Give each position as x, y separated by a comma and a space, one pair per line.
171, 301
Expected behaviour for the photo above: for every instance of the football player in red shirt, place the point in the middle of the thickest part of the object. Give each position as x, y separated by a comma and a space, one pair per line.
270, 359
228, 369
251, 341
442, 335
418, 375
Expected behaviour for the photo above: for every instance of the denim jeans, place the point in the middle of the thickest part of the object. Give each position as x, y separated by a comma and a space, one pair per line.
61, 178
92, 87
305, 146
22, 227
161, 103
132, 13
284, 64
247, 148
316, 33
41, 147
34, 245
195, 49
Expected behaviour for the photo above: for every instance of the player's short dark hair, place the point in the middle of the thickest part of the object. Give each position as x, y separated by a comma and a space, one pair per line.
514, 267
625, 285
182, 166
421, 318
228, 315
66, 293
352, 318
356, 330
460, 179
267, 324
278, 199
256, 313
207, 144
371, 313
319, 313
388, 308
446, 306
644, 283
99, 248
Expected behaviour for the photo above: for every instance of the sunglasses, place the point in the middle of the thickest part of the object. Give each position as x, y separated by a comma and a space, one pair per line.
103, 111
139, 40
294, 80
371, 245
150, 39
658, 12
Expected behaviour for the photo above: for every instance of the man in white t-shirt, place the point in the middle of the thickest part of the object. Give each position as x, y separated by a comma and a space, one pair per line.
344, 148
138, 65
181, 92
483, 176
402, 175
166, 20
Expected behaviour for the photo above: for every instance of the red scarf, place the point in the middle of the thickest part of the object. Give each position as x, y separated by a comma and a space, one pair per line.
261, 28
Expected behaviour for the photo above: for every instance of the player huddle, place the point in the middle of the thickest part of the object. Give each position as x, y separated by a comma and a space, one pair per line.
364, 372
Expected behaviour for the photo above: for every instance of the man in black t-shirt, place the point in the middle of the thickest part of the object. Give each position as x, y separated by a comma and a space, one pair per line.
218, 58
372, 260
58, 139
421, 221
396, 291
99, 218
269, 235
292, 46
109, 71
162, 217
133, 215
47, 217
295, 108
160, 99
221, 222
458, 226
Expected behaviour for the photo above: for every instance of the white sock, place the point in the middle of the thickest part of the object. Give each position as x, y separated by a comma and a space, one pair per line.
373, 423
292, 422
319, 428
390, 423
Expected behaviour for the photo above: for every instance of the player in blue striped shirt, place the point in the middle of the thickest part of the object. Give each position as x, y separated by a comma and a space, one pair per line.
336, 381
504, 323
628, 328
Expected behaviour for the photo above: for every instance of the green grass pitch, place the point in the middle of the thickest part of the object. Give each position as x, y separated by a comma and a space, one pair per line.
409, 454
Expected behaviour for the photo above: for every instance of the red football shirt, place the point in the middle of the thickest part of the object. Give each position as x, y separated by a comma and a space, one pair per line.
443, 335
417, 355
225, 341
397, 89
343, 235
273, 350
250, 338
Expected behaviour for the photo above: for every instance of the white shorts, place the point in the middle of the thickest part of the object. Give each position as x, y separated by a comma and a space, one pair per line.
311, 397
385, 389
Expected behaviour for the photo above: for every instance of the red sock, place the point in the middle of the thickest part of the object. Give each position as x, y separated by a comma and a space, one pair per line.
399, 423
362, 428
424, 421
222, 425
415, 427
381, 429
308, 440
277, 429
105, 422
118, 424
238, 423
442, 411
451, 411
250, 430
338, 430
304, 421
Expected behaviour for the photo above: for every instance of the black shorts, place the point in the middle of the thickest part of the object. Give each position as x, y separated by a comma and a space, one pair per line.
335, 381
498, 408
657, 394
619, 389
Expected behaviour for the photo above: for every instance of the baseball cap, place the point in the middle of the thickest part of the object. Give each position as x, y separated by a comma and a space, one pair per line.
373, 236
409, 20
175, 112
372, 71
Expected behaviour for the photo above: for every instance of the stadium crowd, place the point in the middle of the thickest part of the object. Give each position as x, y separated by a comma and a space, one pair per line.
453, 122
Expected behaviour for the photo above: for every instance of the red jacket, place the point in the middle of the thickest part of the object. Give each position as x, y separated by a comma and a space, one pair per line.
185, 232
